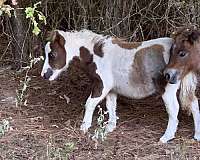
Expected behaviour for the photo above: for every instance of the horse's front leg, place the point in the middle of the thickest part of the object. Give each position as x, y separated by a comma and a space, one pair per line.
172, 107
90, 105
189, 100
196, 117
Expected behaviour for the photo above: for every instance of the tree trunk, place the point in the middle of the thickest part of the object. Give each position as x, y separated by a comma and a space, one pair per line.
18, 28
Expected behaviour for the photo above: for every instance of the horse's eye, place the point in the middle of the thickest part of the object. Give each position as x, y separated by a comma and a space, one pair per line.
182, 53
52, 55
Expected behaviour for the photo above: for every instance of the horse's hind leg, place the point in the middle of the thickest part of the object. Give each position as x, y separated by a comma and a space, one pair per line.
111, 104
172, 107
189, 100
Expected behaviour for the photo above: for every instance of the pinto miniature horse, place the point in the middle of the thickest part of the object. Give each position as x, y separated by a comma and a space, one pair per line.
115, 67
184, 60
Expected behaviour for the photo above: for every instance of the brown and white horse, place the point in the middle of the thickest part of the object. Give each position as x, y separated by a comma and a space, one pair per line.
116, 67
184, 60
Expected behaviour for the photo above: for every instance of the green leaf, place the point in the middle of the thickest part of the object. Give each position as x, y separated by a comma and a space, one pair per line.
29, 12
36, 30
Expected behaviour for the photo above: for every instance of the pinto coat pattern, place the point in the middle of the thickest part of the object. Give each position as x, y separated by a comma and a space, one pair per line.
116, 67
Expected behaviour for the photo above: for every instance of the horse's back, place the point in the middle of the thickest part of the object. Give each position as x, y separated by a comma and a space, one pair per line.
137, 70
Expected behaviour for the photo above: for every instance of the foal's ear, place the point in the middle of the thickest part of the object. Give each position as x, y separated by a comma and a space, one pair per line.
193, 36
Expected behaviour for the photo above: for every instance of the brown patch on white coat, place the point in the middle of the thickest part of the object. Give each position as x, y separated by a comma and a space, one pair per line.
126, 45
57, 56
147, 69
57, 60
98, 48
87, 63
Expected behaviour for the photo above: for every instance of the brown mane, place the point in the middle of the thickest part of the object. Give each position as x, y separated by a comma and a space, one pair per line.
190, 34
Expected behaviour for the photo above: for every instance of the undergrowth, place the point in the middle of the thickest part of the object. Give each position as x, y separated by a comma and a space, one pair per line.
4, 127
100, 131
59, 153
21, 92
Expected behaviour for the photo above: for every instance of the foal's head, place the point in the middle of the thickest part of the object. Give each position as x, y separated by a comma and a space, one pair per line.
185, 54
55, 56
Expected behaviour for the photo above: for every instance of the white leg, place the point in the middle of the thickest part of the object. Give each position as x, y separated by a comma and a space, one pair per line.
172, 107
111, 104
189, 100
196, 117
90, 105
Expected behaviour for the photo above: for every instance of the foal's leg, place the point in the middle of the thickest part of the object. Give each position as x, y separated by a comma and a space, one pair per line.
90, 105
111, 104
172, 107
196, 117
189, 100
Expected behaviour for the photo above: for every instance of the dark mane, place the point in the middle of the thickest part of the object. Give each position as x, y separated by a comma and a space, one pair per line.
190, 34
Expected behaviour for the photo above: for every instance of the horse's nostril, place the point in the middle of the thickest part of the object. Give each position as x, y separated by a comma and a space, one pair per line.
48, 74
167, 76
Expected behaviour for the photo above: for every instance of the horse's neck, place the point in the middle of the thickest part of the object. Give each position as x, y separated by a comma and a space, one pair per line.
77, 40
76, 45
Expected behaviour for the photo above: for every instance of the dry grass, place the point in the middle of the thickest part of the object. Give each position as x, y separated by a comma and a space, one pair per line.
133, 19
48, 127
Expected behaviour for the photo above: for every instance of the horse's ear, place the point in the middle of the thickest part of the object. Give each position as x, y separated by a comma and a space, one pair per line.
193, 36
54, 36
60, 39
51, 36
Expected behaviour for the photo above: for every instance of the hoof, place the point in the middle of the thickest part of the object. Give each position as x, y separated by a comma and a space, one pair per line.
110, 127
165, 139
84, 127
197, 137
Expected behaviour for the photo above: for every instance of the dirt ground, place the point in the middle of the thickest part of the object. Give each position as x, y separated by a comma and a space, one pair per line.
47, 128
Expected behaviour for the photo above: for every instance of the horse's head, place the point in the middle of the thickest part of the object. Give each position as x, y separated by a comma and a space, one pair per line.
55, 56
185, 54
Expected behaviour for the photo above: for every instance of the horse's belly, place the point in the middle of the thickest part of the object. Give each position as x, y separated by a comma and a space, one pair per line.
124, 86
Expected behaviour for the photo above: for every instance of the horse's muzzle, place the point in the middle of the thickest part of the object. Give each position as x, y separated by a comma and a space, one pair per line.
48, 74
171, 75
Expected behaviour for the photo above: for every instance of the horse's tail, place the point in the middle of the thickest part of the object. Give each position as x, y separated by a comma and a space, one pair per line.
187, 91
